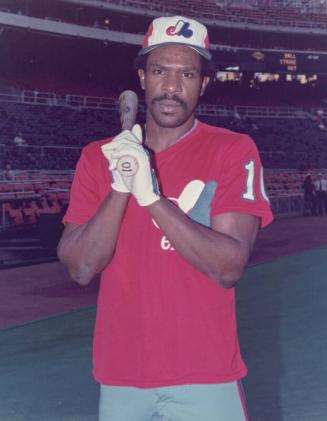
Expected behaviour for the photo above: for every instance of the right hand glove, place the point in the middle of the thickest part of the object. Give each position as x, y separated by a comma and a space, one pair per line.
143, 185
108, 149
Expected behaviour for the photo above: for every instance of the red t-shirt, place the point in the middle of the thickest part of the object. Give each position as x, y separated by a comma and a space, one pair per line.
159, 321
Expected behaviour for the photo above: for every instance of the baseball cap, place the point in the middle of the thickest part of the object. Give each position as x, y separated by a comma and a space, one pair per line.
177, 30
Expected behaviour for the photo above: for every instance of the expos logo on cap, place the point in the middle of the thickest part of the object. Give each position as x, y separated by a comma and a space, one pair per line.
181, 28
177, 30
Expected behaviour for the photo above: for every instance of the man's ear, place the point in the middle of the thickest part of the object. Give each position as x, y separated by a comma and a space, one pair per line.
205, 81
141, 74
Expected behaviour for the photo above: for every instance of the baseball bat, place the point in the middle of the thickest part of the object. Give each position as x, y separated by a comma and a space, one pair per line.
128, 105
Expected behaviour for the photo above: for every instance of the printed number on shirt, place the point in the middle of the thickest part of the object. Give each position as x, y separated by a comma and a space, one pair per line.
250, 176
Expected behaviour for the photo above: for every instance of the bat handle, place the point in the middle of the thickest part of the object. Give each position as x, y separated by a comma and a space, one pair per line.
128, 103
127, 165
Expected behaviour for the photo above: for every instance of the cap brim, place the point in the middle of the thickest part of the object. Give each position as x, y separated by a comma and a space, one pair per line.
202, 51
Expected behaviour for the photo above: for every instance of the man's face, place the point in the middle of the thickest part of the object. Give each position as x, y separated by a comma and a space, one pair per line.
173, 83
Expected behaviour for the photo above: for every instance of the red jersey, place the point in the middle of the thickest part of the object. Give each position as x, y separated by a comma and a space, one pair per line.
161, 322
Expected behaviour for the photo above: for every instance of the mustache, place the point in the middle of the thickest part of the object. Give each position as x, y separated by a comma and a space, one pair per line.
175, 98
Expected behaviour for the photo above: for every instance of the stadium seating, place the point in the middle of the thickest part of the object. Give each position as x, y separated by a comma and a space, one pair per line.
58, 121
43, 172
46, 200
272, 12
32, 194
53, 125
55, 134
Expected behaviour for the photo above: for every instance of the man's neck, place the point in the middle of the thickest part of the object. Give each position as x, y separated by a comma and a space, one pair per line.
160, 138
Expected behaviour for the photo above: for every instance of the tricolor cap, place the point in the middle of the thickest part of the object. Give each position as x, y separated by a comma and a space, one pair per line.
177, 30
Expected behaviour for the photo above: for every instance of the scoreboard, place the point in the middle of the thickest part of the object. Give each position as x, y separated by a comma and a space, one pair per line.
289, 62
269, 61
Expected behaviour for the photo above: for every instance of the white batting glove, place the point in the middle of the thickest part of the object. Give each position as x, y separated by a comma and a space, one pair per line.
142, 185
122, 138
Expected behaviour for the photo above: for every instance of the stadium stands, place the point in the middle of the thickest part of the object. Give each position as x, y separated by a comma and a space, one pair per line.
24, 202
54, 125
257, 13
58, 115
32, 194
275, 13
286, 136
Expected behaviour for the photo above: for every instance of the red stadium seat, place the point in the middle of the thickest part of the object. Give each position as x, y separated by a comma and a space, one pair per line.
30, 215
16, 215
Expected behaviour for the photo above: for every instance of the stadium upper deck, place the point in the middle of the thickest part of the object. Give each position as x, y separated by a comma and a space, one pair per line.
296, 13
234, 30
263, 14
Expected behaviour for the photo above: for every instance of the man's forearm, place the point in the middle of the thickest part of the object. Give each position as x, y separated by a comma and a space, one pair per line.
219, 256
87, 249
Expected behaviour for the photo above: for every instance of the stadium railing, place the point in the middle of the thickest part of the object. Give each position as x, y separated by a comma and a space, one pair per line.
105, 103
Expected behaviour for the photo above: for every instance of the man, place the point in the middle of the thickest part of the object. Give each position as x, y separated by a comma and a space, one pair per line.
171, 242
309, 196
321, 194
19, 140
9, 173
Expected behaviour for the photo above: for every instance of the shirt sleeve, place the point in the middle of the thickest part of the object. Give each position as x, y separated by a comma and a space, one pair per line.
84, 194
241, 184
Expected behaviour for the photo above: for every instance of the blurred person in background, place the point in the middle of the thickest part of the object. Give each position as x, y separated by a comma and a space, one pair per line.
321, 194
309, 195
9, 173
19, 140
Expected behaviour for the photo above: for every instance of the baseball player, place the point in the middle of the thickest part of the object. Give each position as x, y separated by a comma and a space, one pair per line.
170, 241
